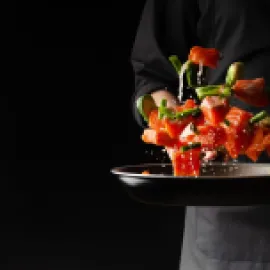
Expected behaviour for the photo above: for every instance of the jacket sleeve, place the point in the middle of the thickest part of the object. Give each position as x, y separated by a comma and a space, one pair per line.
167, 27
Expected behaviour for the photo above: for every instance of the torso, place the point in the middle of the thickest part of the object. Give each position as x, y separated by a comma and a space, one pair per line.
232, 238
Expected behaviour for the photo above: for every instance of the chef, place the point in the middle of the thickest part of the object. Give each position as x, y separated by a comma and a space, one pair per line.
215, 238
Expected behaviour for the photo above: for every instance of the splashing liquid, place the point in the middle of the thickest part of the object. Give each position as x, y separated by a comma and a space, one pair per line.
200, 73
181, 81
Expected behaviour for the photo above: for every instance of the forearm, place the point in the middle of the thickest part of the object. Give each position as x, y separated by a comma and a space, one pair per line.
154, 74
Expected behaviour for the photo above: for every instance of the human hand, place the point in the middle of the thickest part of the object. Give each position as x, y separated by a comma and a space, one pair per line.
159, 95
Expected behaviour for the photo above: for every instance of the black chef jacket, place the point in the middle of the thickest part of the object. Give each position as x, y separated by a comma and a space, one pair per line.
215, 238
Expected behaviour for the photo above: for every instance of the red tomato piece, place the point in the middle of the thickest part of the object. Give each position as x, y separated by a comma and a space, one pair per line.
266, 140
238, 131
186, 163
266, 143
210, 137
237, 118
214, 109
158, 137
189, 104
256, 146
252, 92
175, 127
154, 122
206, 56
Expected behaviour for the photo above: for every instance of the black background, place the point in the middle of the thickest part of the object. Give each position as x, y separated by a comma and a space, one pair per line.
74, 122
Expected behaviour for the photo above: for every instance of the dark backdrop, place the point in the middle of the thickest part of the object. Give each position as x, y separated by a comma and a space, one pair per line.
74, 122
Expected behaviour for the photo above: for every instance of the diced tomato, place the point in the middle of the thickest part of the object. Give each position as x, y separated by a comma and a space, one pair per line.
154, 122
186, 163
256, 146
210, 137
237, 143
237, 118
266, 140
266, 143
213, 124
175, 127
238, 131
231, 145
252, 92
158, 137
189, 104
206, 56
214, 109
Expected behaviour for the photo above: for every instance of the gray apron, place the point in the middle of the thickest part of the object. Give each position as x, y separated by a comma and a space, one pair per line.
233, 238
226, 238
